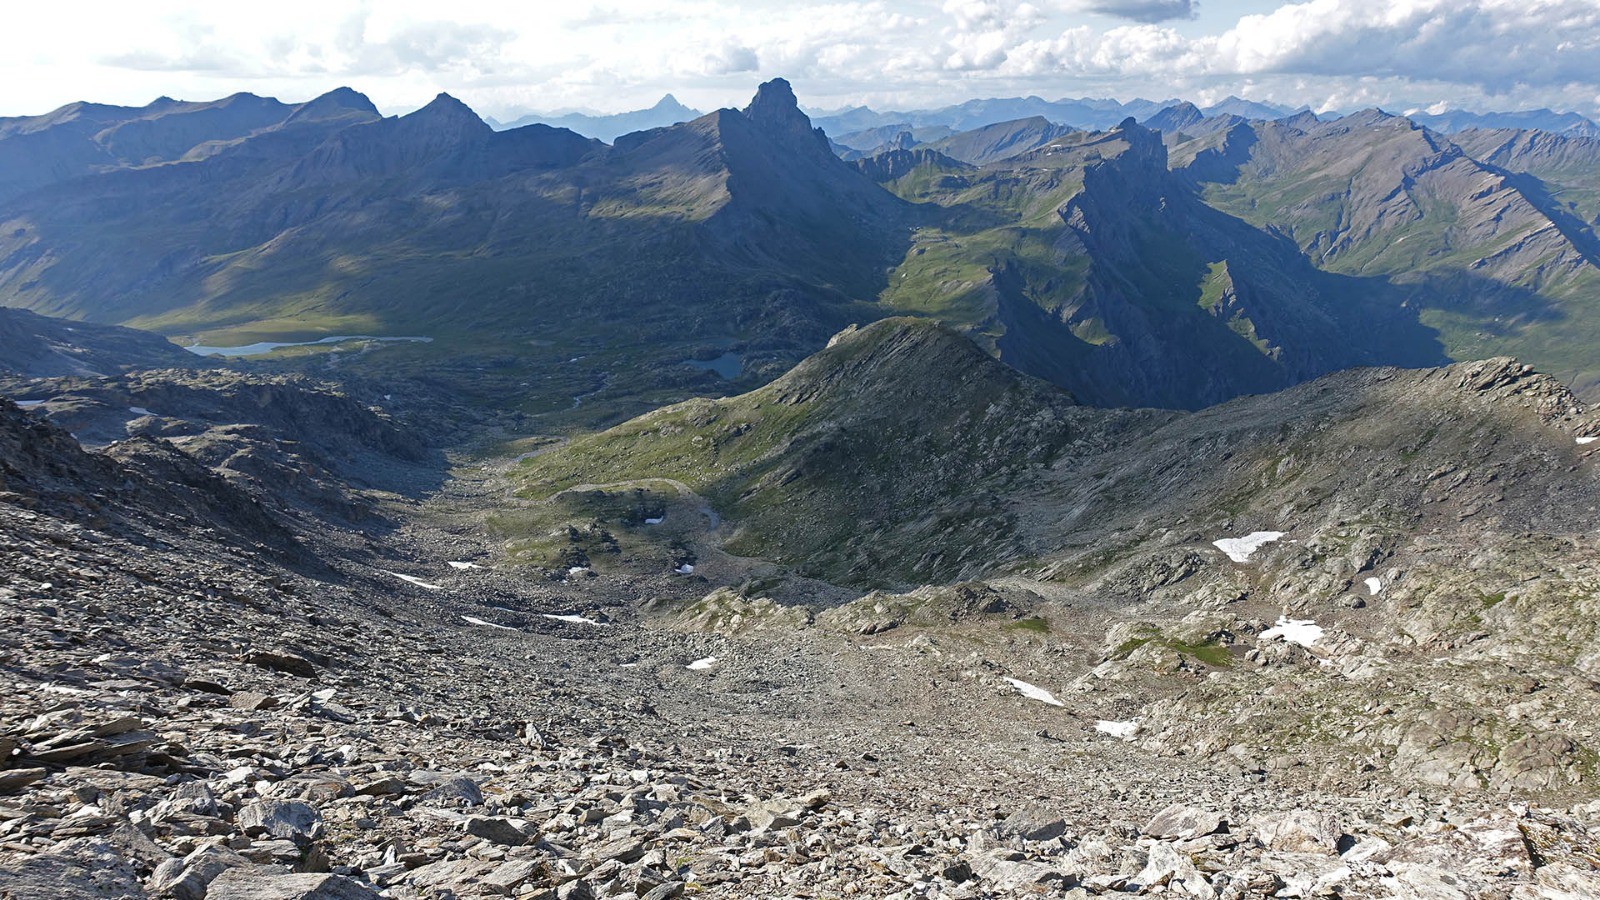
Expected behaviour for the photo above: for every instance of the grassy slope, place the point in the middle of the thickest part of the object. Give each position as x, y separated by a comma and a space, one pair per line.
1436, 230
1005, 215
875, 462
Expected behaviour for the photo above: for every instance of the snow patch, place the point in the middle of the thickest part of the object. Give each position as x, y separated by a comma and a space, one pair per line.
474, 620
655, 520
1374, 585
1241, 549
412, 579
1588, 440
574, 619
577, 570
700, 665
685, 569
464, 565
1304, 632
1124, 730
30, 404
1034, 692
140, 411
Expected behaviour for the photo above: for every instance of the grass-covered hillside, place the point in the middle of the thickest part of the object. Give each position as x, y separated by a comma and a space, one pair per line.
883, 459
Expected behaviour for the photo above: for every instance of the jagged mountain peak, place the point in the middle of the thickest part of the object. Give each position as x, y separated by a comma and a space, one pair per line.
1176, 117
347, 97
669, 103
775, 106
775, 111
1301, 120
446, 109
337, 103
1368, 117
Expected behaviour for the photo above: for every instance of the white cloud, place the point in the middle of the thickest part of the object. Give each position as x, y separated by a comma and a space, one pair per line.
504, 57
729, 58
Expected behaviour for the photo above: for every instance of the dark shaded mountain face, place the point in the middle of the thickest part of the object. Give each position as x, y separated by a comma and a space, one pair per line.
1003, 140
903, 452
84, 138
902, 429
667, 111
1088, 263
736, 225
1484, 250
41, 346
1177, 265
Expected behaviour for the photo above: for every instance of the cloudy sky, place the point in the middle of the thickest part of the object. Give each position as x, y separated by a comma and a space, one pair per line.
505, 58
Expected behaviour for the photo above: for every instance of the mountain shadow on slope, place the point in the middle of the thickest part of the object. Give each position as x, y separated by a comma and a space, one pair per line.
1087, 263
904, 454
737, 225
883, 459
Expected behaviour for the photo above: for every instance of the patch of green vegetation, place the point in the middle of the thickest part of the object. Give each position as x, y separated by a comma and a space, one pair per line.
1413, 449
1214, 285
589, 528
1212, 653
849, 443
994, 219
1032, 624
1092, 331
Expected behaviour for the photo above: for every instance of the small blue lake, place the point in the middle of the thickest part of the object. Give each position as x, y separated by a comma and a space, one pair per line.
728, 365
268, 346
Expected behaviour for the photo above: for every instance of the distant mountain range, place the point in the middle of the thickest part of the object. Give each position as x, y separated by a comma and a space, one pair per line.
1082, 113
1453, 121
667, 111
1199, 256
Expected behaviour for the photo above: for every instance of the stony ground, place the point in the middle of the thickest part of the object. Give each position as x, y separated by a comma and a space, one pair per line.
182, 720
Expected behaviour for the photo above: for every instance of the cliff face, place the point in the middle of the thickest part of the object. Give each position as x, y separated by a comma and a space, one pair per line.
1183, 306
142, 485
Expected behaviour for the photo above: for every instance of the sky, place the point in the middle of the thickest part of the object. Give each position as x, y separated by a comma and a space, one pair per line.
509, 58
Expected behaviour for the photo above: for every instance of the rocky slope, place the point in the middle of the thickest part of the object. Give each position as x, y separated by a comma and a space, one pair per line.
1087, 263
286, 440
1493, 261
1401, 511
999, 141
902, 430
41, 346
1108, 713
142, 481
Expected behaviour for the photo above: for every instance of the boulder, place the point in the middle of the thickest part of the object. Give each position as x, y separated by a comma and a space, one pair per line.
1298, 831
288, 820
259, 883
496, 830
1181, 823
1034, 823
